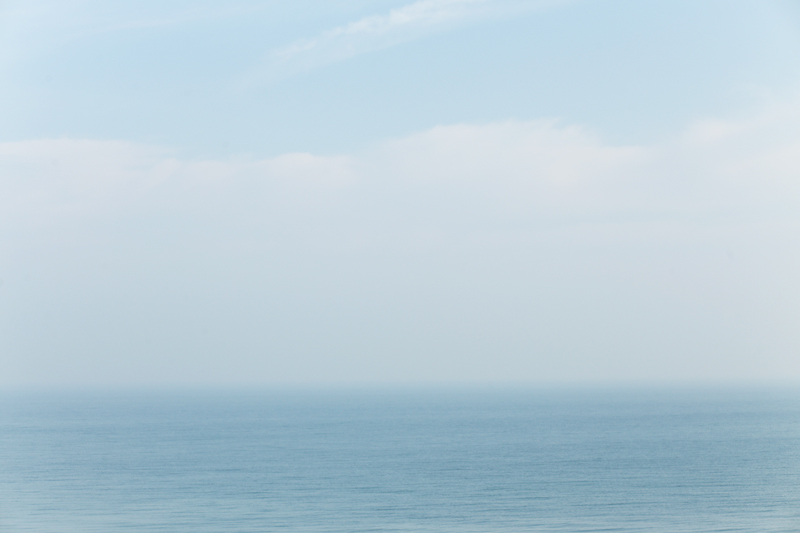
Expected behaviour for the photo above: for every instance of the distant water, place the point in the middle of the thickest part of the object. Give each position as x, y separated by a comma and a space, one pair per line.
660, 461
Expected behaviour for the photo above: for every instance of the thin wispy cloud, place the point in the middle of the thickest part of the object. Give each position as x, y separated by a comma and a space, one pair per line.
379, 31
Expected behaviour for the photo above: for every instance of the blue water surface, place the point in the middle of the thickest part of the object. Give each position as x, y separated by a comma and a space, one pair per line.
660, 460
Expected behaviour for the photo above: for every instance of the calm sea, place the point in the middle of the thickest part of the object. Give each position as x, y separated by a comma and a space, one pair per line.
458, 461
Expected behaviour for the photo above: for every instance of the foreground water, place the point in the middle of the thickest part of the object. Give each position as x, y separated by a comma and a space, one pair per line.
469, 461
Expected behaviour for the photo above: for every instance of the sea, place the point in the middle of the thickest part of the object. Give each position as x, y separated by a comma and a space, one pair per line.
468, 460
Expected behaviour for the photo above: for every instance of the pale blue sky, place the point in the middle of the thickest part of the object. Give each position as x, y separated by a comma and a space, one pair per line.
365, 191
199, 77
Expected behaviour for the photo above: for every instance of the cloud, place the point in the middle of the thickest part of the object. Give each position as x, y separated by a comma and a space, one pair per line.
503, 251
493, 173
376, 32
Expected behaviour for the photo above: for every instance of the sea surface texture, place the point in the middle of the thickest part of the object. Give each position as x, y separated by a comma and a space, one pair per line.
458, 461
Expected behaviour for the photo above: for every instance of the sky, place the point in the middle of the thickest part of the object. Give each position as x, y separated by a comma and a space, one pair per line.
383, 192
